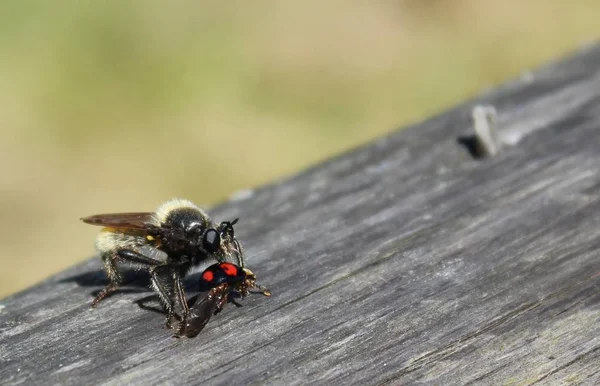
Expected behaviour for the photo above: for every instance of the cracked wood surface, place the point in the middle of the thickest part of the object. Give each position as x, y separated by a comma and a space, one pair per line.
404, 261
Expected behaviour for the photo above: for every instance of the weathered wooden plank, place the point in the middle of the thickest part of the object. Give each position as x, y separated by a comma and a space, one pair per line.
404, 261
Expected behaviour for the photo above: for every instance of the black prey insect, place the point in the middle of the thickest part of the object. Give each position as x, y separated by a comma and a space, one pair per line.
168, 243
224, 282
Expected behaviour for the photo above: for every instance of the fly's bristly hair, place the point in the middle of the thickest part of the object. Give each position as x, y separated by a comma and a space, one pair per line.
165, 213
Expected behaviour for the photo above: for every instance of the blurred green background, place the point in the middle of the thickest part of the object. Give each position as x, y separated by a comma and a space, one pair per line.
110, 106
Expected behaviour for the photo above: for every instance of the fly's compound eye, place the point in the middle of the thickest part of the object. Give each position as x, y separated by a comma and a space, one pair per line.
212, 241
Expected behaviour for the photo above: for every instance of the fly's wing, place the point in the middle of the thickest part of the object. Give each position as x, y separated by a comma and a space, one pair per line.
205, 307
139, 220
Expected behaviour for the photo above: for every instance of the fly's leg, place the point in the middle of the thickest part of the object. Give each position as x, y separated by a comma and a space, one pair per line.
110, 266
157, 268
180, 294
159, 276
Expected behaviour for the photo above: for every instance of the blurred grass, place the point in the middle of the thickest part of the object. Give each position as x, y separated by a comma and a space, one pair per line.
117, 106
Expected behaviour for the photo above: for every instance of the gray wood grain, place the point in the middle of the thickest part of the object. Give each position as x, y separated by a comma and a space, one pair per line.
404, 261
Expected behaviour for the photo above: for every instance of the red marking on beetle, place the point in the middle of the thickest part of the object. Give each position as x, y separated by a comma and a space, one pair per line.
208, 276
229, 269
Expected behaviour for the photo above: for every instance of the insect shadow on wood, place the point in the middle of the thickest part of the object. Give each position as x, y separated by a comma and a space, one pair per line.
151, 303
134, 282
131, 278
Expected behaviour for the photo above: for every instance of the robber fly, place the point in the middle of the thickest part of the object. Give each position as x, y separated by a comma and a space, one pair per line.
168, 243
224, 282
